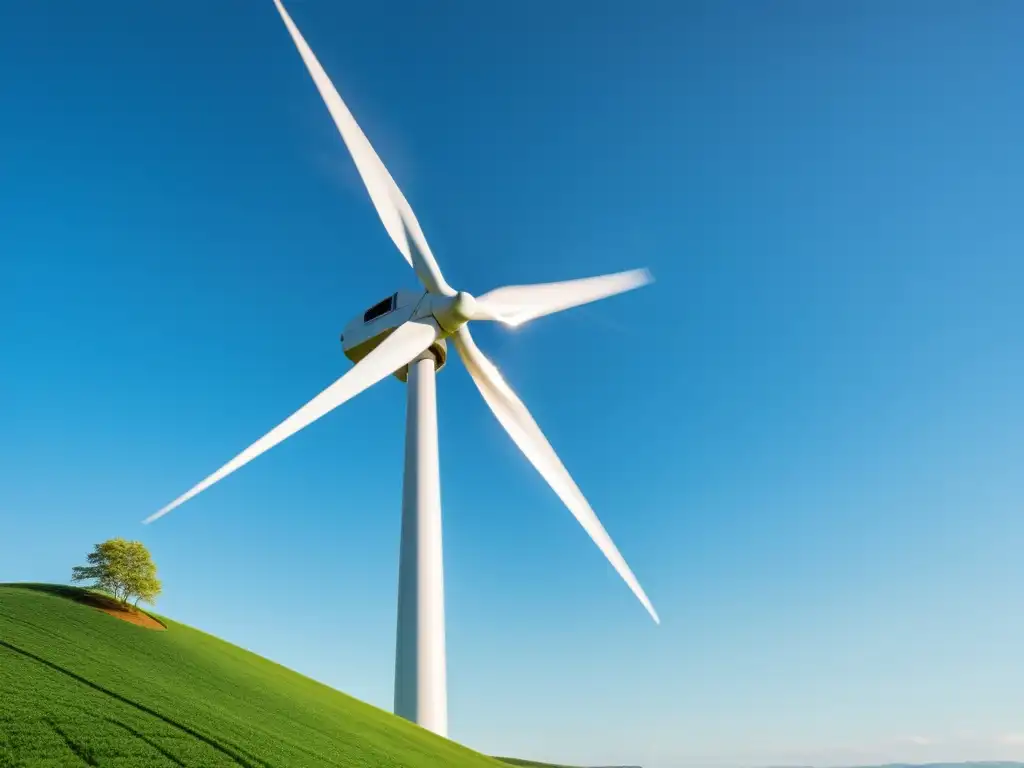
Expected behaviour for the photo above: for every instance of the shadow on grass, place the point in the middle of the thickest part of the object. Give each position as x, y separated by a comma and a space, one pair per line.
139, 735
231, 753
90, 597
82, 752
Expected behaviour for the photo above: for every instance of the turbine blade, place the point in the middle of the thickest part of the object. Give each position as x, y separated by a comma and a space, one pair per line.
391, 205
521, 427
515, 304
403, 345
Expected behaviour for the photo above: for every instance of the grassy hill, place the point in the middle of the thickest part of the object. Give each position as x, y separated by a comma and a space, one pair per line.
78, 686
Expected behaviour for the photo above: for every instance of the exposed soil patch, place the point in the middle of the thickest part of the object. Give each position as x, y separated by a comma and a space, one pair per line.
110, 606
135, 617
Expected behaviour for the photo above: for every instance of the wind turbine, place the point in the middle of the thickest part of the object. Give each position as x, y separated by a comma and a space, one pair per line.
405, 335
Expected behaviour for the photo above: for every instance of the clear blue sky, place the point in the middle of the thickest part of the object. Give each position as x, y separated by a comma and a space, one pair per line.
807, 437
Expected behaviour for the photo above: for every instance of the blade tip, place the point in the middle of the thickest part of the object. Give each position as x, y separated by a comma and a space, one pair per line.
156, 515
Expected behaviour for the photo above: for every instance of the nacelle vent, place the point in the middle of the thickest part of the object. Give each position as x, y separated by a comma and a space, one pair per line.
380, 309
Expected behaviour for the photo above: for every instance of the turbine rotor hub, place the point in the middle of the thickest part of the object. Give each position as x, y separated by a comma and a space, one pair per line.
452, 312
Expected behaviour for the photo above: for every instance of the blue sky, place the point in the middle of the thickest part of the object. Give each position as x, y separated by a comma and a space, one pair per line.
805, 437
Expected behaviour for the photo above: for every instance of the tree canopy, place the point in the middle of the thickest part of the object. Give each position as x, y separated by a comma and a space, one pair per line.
122, 568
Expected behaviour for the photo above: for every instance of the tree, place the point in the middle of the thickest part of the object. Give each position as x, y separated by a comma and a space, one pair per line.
121, 568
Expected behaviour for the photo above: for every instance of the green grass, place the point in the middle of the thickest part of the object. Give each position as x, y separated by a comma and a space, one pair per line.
80, 687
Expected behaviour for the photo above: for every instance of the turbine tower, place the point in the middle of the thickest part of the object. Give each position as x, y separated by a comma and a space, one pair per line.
406, 335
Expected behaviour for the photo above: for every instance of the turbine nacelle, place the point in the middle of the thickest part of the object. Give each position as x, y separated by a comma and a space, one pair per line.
366, 331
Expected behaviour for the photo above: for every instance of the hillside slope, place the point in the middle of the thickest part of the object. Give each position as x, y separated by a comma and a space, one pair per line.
78, 686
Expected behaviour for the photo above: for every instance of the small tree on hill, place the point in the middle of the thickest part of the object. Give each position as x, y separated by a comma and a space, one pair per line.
121, 568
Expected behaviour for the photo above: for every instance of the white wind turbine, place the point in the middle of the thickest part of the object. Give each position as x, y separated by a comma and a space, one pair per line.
406, 335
